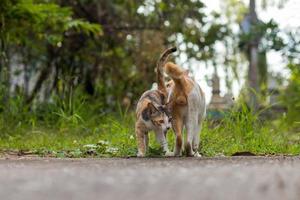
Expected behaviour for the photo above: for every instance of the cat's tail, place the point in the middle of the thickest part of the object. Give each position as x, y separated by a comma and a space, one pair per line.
160, 68
173, 70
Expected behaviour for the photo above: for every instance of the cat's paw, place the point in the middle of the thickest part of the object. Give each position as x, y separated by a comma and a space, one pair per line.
197, 155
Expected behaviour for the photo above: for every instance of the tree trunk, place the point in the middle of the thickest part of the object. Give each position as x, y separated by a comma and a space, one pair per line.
253, 77
4, 68
26, 60
253, 61
43, 75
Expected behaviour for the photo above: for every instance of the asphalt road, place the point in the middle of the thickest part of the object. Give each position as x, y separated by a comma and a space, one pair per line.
150, 179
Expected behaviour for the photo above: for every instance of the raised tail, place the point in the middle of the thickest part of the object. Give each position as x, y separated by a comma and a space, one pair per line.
174, 71
160, 69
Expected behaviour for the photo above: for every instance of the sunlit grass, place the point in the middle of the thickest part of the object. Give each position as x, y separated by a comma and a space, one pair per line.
81, 132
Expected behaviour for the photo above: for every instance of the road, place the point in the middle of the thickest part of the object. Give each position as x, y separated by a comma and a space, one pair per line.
150, 179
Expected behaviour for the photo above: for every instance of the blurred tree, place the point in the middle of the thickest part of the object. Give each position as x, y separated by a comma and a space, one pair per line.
33, 29
265, 36
278, 3
135, 33
107, 49
253, 58
290, 95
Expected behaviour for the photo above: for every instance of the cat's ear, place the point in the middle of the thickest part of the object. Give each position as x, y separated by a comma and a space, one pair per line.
148, 111
163, 96
168, 107
151, 108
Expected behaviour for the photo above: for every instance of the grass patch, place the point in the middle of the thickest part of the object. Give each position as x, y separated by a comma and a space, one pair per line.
79, 131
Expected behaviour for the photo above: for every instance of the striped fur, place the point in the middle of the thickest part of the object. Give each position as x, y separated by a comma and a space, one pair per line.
151, 112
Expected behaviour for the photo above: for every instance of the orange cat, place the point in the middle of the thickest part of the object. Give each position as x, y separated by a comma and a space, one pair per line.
188, 108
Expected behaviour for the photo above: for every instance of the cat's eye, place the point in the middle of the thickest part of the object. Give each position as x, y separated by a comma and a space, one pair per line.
170, 119
161, 121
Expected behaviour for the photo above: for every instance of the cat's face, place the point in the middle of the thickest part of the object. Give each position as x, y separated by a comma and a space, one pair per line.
159, 116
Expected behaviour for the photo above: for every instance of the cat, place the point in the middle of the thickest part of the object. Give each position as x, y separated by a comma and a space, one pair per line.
187, 104
152, 112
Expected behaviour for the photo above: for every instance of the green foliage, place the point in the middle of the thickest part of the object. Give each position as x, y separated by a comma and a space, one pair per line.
47, 21
82, 131
242, 131
291, 96
268, 33
104, 47
80, 61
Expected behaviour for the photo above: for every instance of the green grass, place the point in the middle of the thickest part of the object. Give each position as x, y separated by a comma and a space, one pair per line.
80, 130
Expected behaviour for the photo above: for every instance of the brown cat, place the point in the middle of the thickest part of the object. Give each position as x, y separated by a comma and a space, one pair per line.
152, 113
187, 103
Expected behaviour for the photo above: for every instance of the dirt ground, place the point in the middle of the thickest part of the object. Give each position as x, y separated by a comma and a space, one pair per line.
150, 178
